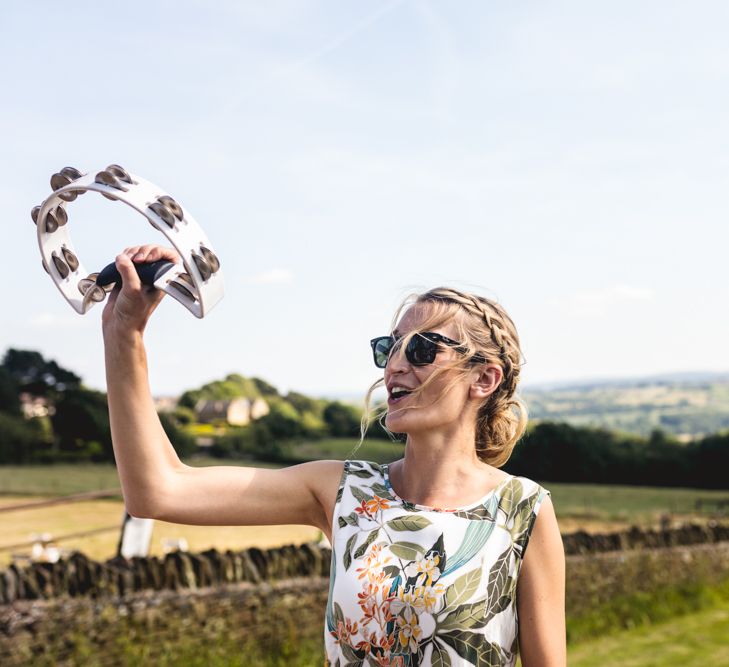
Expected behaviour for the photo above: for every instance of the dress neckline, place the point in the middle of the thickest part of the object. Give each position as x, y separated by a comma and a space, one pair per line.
428, 508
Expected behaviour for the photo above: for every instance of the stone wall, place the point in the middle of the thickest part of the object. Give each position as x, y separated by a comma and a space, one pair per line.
223, 624
92, 613
80, 576
581, 542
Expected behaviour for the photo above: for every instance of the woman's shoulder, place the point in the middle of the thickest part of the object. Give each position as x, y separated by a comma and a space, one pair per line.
362, 468
530, 490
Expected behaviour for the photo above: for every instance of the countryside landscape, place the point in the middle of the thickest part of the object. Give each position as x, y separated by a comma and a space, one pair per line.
628, 543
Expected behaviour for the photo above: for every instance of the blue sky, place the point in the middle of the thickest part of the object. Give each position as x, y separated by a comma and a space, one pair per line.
568, 159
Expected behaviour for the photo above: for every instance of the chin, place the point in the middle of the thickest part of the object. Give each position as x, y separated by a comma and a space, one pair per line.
429, 419
409, 423
398, 421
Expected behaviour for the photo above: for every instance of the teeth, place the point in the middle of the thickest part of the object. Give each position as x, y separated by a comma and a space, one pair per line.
397, 391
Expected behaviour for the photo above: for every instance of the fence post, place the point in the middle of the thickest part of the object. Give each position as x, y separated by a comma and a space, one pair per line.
136, 535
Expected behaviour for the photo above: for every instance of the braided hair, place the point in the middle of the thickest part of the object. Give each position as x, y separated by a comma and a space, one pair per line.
484, 328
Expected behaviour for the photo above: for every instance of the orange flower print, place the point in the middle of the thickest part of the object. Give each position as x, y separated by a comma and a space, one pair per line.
377, 504
410, 631
370, 507
362, 508
386, 661
373, 564
344, 631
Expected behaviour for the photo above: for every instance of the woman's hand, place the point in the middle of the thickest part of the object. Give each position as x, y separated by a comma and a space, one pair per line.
128, 309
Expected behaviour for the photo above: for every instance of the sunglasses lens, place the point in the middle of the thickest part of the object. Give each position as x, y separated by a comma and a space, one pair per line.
381, 350
421, 351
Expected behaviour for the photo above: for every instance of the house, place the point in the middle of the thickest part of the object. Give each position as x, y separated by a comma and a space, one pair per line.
236, 411
165, 404
35, 406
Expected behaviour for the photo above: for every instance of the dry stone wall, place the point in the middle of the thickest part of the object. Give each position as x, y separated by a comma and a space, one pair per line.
81, 576
51, 613
581, 542
110, 630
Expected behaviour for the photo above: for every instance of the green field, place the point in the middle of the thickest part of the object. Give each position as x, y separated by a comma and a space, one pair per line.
698, 637
588, 505
695, 640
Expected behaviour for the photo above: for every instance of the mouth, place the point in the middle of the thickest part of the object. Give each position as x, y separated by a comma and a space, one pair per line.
396, 394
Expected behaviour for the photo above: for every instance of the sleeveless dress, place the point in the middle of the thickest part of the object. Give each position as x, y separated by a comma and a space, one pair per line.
412, 585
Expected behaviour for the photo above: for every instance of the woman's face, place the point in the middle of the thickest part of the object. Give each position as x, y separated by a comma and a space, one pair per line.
432, 409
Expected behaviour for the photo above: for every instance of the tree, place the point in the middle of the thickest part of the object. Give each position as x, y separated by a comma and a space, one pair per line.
21, 440
343, 421
82, 418
183, 443
9, 390
264, 387
36, 375
233, 386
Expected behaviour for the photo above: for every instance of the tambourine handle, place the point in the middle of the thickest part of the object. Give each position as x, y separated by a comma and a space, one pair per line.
148, 272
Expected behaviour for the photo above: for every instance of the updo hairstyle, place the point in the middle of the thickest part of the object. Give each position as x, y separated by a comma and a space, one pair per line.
483, 328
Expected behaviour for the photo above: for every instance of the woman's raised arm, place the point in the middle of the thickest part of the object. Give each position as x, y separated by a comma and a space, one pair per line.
155, 482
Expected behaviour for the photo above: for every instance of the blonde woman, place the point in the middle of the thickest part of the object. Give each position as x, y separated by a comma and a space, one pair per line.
430, 564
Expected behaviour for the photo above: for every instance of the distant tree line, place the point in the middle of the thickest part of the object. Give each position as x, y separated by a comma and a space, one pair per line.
78, 430
77, 427
559, 452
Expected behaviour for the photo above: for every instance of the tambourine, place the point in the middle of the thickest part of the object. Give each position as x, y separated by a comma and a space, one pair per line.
197, 283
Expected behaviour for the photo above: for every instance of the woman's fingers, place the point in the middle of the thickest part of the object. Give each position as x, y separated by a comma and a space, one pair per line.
152, 253
130, 305
129, 276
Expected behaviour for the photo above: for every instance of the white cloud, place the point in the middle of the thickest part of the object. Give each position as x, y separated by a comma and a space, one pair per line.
272, 277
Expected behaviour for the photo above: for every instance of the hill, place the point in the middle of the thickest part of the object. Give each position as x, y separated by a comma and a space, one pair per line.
688, 405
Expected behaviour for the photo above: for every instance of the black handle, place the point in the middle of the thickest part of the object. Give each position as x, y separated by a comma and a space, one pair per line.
148, 272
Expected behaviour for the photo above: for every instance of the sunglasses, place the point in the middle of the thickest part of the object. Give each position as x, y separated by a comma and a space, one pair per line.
420, 351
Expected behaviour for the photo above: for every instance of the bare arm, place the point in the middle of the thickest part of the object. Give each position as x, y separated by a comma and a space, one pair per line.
154, 481
541, 594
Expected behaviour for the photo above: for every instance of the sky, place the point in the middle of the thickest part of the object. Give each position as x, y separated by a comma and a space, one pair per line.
568, 159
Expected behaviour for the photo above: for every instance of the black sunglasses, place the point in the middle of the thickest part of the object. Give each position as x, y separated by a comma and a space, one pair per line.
420, 351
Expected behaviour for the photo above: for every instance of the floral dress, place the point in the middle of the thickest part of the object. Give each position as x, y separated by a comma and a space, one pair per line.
415, 585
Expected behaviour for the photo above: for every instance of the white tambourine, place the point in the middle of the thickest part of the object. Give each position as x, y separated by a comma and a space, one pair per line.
197, 283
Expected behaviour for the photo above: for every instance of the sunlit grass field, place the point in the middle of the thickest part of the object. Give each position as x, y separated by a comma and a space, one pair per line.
591, 507
695, 640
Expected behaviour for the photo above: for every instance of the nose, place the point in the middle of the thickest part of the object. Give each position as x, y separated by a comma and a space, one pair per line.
397, 362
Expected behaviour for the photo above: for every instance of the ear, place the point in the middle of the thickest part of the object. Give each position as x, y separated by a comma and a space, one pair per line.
486, 383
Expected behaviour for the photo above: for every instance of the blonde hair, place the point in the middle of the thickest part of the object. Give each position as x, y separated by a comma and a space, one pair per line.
486, 329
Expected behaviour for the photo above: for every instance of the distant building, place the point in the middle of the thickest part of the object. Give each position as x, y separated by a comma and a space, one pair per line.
236, 411
165, 403
35, 406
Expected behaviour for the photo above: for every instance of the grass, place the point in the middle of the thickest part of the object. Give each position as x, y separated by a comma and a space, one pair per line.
591, 507
641, 505
59, 520
382, 451
644, 608
693, 640
59, 479
579, 503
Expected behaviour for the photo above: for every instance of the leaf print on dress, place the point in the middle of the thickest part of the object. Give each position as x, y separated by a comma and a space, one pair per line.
471, 646
408, 602
477, 534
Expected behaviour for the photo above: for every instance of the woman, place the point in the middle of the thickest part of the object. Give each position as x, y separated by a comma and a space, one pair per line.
430, 563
